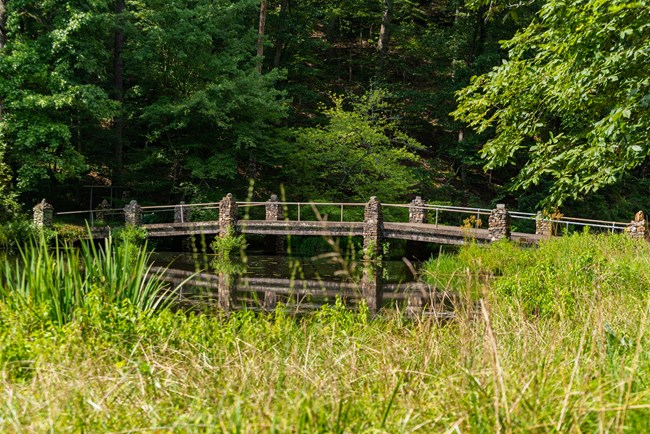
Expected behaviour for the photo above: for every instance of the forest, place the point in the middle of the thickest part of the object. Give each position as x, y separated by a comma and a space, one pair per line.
533, 103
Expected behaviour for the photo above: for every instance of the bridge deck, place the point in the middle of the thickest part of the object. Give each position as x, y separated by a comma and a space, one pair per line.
424, 232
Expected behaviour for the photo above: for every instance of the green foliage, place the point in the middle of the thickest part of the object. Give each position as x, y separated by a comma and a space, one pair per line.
70, 233
15, 233
550, 281
56, 283
360, 152
194, 93
571, 102
49, 74
336, 370
224, 248
130, 234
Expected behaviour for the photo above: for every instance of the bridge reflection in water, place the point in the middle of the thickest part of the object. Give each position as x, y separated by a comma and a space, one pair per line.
236, 292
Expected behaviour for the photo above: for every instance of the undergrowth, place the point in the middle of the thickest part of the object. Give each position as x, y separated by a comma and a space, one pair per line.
556, 342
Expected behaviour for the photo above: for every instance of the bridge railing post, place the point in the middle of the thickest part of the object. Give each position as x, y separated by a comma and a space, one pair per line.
43, 215
373, 228
543, 226
638, 228
181, 213
499, 223
274, 212
417, 211
227, 215
133, 214
373, 232
101, 211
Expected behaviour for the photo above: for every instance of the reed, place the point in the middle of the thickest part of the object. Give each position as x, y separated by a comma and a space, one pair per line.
57, 278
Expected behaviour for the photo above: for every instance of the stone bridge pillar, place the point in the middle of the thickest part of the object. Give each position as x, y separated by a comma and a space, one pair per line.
225, 288
101, 212
373, 229
371, 285
227, 215
638, 228
417, 212
133, 214
499, 223
274, 244
543, 226
181, 213
43, 214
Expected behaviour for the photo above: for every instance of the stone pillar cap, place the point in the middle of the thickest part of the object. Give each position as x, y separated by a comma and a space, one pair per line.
501, 206
43, 204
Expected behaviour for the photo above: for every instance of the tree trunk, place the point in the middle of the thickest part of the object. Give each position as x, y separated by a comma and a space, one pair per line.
118, 87
478, 37
260, 36
279, 40
3, 34
3, 22
384, 36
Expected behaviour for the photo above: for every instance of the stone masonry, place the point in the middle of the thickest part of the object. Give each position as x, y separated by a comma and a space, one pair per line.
274, 212
43, 213
373, 225
181, 213
417, 212
101, 212
274, 209
227, 214
371, 286
133, 214
638, 228
543, 226
499, 223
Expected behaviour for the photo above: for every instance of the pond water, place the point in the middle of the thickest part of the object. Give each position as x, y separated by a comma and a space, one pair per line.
277, 266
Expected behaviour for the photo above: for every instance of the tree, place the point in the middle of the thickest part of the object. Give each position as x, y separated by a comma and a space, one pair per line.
3, 20
570, 105
359, 153
7, 199
51, 75
200, 110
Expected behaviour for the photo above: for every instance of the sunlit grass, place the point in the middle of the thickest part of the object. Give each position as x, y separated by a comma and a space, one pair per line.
502, 366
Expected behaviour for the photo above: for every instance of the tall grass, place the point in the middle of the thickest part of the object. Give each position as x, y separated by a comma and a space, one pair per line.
58, 280
502, 366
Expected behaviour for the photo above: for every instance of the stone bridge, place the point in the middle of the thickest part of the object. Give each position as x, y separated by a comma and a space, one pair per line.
421, 226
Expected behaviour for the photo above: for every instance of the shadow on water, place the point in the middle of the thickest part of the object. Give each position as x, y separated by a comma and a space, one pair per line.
276, 266
301, 284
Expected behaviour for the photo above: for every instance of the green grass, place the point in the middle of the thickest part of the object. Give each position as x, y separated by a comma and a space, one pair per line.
512, 365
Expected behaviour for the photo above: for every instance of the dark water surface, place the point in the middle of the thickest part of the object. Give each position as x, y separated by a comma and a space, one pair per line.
259, 265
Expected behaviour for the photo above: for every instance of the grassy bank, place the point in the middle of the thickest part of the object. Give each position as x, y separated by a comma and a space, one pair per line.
559, 344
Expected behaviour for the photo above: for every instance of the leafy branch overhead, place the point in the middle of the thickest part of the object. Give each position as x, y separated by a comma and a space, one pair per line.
571, 104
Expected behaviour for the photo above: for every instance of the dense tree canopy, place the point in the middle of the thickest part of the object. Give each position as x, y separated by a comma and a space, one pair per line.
359, 153
572, 100
193, 98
